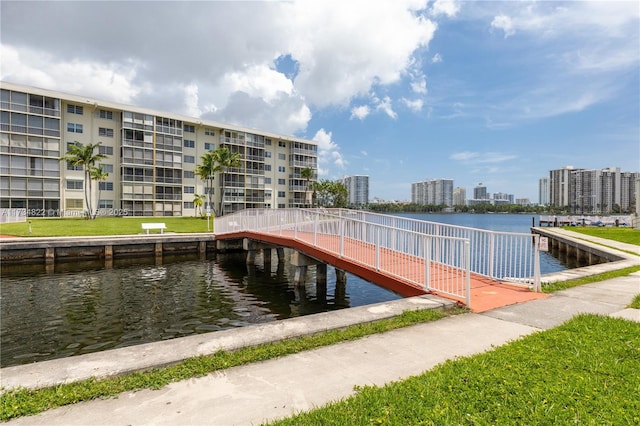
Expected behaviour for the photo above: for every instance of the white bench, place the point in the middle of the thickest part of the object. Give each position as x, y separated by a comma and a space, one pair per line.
160, 226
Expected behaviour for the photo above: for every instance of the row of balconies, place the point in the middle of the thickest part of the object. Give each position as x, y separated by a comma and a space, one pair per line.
50, 112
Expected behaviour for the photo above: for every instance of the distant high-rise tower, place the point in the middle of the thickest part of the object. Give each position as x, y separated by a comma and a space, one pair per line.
459, 196
436, 192
543, 191
358, 188
480, 192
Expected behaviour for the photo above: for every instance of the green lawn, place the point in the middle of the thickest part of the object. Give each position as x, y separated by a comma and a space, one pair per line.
624, 235
57, 227
586, 371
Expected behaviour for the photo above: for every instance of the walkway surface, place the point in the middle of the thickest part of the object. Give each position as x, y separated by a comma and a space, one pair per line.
278, 388
398, 271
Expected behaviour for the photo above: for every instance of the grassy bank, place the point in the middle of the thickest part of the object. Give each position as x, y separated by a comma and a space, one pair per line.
561, 285
623, 235
583, 372
72, 227
22, 402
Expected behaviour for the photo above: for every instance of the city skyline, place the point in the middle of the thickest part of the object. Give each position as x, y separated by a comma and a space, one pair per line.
491, 92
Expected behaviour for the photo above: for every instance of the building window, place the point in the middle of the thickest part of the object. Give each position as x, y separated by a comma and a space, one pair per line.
188, 174
74, 128
188, 205
267, 154
189, 159
282, 156
267, 181
267, 167
282, 144
106, 150
209, 132
103, 131
75, 109
105, 186
282, 182
106, 168
189, 128
281, 206
105, 204
281, 194
189, 190
107, 115
189, 143
282, 169
73, 203
72, 167
209, 146
267, 141
75, 184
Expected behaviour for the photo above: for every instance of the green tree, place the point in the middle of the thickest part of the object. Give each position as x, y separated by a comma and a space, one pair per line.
99, 175
226, 159
79, 155
198, 201
331, 194
206, 171
307, 175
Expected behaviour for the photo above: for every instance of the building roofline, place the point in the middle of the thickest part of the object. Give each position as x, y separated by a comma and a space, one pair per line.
85, 100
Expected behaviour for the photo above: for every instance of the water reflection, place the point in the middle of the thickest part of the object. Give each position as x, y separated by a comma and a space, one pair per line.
84, 307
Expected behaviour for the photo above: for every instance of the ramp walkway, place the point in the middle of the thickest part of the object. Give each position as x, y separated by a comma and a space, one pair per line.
478, 268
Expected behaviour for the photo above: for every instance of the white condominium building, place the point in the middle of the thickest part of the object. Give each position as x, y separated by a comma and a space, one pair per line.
151, 158
358, 188
436, 192
592, 191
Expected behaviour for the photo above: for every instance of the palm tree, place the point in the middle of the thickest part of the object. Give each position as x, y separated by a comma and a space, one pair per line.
83, 156
99, 175
206, 171
306, 174
198, 201
225, 159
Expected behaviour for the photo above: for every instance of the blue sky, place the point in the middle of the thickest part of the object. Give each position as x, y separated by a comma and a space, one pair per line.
400, 90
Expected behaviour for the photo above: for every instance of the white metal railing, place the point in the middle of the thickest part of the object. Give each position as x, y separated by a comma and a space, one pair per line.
430, 262
505, 256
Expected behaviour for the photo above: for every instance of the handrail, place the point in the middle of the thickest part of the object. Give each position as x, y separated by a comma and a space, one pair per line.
448, 253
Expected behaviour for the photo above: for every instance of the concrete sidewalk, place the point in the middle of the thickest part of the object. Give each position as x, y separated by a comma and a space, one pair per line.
269, 390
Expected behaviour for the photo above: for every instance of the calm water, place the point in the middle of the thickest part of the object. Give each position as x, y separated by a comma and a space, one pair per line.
83, 307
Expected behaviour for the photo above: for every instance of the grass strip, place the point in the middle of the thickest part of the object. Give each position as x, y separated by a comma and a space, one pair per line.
74, 227
22, 402
623, 235
586, 371
635, 303
562, 285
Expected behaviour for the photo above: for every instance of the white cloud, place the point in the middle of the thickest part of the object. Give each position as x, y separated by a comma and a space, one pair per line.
259, 81
436, 59
503, 22
469, 157
449, 8
360, 112
191, 100
329, 156
414, 105
110, 81
385, 105
419, 86
364, 153
343, 48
